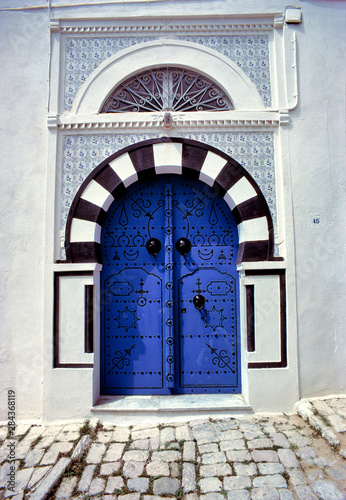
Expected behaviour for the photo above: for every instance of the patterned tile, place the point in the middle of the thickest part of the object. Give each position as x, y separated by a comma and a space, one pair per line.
83, 55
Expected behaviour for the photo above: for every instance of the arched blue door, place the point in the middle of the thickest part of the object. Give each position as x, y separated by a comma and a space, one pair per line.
170, 321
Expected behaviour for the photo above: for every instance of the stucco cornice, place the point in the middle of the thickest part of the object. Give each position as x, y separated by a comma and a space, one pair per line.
253, 23
126, 121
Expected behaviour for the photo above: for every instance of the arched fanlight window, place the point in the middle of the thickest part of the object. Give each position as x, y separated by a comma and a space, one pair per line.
171, 89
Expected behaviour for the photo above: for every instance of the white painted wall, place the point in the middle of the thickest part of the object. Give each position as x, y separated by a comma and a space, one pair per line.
312, 148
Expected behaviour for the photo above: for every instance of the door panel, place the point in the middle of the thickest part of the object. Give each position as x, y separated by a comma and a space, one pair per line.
153, 339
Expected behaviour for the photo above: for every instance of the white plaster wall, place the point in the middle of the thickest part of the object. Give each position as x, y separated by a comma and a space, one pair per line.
24, 44
313, 160
317, 162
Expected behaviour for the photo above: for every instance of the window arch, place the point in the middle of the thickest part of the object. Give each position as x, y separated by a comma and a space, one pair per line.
167, 88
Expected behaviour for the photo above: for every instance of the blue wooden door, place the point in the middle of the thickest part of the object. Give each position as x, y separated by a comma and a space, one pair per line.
169, 291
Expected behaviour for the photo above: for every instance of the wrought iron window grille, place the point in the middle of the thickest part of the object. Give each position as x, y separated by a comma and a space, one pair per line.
167, 89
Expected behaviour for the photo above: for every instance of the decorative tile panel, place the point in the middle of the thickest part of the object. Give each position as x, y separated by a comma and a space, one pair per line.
249, 52
82, 153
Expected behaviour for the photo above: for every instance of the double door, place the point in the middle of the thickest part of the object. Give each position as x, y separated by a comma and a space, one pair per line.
169, 291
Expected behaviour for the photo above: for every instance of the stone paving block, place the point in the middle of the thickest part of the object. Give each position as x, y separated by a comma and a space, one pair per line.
189, 478
50, 457
174, 468
212, 496
266, 493
153, 497
121, 434
214, 458
286, 494
157, 468
73, 427
166, 456
114, 452
216, 470
297, 477
189, 452
115, 483
97, 486
337, 473
38, 474
82, 445
173, 446
245, 470
166, 486
268, 468
324, 462
95, 453
208, 448
140, 444
236, 482
306, 453
139, 484
210, 484
33, 457
337, 422
154, 443
51, 479
66, 488
22, 448
297, 439
45, 441
145, 433
109, 468
226, 425
234, 444
288, 458
280, 439
327, 490
22, 479
268, 429
238, 495
68, 436
275, 480
249, 427
183, 433
86, 478
254, 435
4, 450
260, 443
230, 435
238, 456
323, 408
191, 496
20, 430
313, 474
104, 437
130, 496
133, 469
167, 434
136, 456
305, 493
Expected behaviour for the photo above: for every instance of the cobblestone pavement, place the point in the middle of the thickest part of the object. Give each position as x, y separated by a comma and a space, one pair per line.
254, 457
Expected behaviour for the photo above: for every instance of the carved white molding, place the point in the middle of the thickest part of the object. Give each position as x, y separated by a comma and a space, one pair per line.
193, 121
255, 23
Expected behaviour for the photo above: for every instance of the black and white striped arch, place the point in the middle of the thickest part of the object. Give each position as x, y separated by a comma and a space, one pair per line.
147, 159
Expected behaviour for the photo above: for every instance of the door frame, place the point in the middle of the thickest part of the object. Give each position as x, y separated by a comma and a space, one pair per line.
144, 161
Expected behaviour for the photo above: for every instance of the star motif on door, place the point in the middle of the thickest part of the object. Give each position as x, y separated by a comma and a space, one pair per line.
127, 319
214, 318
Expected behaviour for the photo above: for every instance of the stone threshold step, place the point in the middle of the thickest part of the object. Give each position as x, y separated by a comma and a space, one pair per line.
184, 403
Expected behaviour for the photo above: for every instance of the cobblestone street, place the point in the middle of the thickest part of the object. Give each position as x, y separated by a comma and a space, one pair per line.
245, 457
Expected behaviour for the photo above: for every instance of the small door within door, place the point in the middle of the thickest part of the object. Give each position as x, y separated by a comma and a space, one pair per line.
169, 291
